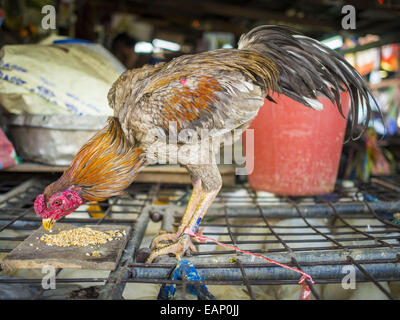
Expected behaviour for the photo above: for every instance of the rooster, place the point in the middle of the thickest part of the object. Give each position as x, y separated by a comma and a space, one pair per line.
218, 91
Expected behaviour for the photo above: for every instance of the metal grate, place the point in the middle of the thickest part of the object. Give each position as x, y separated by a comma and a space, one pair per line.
352, 227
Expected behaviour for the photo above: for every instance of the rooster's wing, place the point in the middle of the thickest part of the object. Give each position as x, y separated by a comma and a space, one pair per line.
219, 91
223, 89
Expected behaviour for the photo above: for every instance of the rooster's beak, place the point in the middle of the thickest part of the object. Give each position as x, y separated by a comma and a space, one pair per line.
48, 223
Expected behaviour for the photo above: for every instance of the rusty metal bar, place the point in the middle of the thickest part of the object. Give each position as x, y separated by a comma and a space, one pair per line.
290, 251
18, 190
338, 216
374, 262
370, 277
338, 244
245, 279
116, 281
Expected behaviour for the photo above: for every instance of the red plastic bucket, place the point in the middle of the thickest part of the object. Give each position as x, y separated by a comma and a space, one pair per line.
297, 149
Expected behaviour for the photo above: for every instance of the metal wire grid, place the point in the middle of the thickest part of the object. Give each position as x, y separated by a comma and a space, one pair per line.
372, 247
16, 213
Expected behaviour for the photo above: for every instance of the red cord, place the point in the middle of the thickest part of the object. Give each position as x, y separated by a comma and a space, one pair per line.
305, 292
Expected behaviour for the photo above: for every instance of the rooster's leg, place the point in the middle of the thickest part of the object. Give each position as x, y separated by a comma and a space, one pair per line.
190, 209
183, 242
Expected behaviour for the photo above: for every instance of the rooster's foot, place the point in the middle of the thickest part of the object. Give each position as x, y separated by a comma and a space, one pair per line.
178, 248
162, 239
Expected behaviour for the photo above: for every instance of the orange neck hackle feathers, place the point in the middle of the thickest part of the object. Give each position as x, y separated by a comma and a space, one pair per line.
106, 165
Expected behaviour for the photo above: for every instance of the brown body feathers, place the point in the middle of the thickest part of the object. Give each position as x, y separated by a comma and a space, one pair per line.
220, 90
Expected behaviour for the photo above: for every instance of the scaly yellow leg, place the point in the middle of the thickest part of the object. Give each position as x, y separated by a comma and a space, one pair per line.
183, 242
190, 209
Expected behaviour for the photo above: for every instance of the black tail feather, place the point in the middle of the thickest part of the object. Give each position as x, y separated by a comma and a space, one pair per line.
308, 69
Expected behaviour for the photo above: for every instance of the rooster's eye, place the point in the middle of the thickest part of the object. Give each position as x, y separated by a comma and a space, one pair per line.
57, 202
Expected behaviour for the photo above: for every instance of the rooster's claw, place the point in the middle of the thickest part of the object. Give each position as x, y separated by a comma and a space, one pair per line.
163, 236
178, 248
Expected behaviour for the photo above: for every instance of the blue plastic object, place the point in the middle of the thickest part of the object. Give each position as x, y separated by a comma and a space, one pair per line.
167, 291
